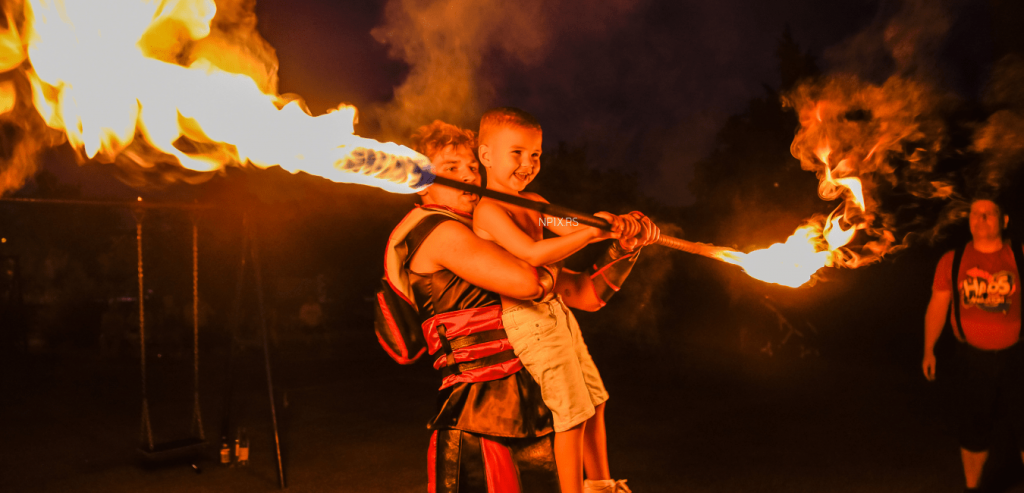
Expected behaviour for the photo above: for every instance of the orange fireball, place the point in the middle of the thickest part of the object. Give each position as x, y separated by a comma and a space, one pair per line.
106, 74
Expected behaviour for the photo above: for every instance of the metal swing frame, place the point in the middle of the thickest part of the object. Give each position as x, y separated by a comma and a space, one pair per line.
195, 443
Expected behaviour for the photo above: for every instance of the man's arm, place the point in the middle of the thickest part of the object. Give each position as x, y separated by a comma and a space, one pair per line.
578, 289
493, 222
480, 262
934, 320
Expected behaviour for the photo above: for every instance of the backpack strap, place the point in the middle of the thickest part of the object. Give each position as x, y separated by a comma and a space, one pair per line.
958, 328
420, 232
1018, 257
396, 319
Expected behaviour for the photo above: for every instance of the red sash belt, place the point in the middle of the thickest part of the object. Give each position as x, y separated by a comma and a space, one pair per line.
473, 345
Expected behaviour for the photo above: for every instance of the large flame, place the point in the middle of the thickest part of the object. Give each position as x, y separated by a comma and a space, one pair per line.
852, 134
813, 246
99, 74
794, 262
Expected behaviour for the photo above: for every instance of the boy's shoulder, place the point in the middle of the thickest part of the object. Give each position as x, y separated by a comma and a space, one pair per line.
487, 205
533, 196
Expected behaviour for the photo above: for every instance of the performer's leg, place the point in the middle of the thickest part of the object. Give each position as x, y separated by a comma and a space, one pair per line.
974, 462
595, 446
569, 458
977, 394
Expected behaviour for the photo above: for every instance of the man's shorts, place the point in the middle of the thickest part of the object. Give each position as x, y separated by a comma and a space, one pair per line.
989, 391
547, 339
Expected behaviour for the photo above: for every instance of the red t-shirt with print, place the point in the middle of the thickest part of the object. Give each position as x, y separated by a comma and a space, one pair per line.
989, 296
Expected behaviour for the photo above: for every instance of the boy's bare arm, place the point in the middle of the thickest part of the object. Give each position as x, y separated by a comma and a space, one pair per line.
492, 221
626, 225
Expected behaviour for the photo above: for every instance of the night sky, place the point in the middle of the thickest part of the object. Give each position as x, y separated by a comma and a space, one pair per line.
644, 85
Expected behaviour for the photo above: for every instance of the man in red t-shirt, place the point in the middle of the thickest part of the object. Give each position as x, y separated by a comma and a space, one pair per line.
990, 367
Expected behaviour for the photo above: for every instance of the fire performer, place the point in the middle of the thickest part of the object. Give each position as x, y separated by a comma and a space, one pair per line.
492, 431
544, 333
989, 363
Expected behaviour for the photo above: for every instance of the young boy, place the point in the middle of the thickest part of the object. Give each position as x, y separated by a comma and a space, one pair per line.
544, 334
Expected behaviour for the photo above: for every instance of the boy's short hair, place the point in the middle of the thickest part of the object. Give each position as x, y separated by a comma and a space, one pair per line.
431, 139
498, 118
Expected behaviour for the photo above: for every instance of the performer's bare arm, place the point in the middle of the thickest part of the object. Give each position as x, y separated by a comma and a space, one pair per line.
480, 262
492, 221
934, 320
577, 288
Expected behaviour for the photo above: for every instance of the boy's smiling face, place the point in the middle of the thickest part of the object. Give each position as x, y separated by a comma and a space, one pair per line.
512, 158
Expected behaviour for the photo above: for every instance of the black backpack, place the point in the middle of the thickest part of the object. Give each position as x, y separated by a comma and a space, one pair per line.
396, 318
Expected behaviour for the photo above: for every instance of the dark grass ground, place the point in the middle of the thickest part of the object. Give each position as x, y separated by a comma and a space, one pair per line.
686, 415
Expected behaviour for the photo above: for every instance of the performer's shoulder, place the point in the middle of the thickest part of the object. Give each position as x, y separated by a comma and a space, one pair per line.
450, 228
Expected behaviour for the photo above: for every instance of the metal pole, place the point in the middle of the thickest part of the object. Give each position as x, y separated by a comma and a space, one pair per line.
198, 416
254, 248
560, 211
147, 429
233, 326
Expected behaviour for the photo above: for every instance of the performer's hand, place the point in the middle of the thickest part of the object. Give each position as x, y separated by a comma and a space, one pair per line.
630, 225
928, 366
649, 233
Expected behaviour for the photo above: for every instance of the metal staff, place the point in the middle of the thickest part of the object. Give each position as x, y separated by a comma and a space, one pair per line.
560, 211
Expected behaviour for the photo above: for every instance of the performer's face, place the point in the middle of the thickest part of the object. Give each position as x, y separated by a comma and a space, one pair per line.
986, 220
456, 163
512, 158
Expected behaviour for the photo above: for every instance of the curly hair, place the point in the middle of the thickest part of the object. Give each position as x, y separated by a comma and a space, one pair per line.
431, 139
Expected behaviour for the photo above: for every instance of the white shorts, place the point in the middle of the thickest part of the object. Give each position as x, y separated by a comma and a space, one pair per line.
547, 339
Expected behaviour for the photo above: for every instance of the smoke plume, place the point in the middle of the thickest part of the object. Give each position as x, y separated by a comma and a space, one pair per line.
882, 115
450, 46
1000, 139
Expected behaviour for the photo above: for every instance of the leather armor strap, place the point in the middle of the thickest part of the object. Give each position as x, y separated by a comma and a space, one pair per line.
446, 345
546, 279
493, 359
611, 270
478, 338
415, 238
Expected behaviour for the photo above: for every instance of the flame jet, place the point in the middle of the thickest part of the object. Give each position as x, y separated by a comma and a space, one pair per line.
110, 74
852, 135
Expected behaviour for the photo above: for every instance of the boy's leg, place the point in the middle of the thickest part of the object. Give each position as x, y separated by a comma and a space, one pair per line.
569, 458
595, 443
595, 446
543, 343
